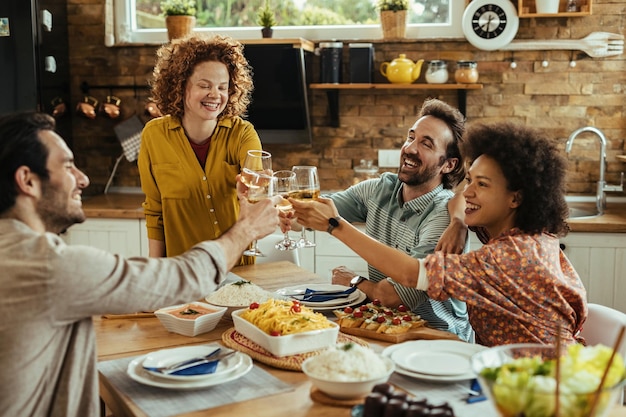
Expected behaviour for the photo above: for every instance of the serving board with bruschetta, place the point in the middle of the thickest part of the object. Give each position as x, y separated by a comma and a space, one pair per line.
375, 321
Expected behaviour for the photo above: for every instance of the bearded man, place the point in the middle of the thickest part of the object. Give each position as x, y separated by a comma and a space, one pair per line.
409, 211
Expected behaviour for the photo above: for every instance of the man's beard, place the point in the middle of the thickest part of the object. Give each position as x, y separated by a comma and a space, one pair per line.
423, 176
53, 210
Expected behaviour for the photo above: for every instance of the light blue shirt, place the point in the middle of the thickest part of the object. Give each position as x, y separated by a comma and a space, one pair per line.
413, 227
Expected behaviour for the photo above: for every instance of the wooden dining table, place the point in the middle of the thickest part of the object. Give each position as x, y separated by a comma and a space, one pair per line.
133, 335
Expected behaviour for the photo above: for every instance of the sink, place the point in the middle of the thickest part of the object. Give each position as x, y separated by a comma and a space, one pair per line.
582, 213
582, 210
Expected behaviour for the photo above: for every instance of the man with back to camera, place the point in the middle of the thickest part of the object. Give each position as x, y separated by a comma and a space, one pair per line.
49, 290
409, 211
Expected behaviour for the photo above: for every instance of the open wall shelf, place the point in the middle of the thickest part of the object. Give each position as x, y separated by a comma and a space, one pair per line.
334, 107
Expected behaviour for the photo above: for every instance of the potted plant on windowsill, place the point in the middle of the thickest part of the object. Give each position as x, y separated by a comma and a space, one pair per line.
393, 14
265, 19
180, 17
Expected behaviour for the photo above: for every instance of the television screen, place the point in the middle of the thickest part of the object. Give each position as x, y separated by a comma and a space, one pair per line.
279, 110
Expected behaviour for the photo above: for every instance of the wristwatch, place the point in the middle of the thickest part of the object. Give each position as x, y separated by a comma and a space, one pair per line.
356, 280
332, 223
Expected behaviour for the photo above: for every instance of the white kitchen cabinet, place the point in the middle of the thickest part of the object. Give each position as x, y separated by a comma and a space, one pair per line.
330, 253
600, 260
120, 236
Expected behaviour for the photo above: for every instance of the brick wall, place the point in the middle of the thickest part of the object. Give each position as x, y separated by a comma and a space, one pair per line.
557, 98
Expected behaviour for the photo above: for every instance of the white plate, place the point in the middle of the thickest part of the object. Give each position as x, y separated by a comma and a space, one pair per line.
432, 363
319, 287
166, 357
356, 297
362, 297
136, 372
459, 348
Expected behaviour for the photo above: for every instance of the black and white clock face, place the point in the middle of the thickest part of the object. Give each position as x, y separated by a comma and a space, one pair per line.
489, 21
489, 26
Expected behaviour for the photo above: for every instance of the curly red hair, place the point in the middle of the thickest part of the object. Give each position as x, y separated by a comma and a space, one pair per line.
177, 60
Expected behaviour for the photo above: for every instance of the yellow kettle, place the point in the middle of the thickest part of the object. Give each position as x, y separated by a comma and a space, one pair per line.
401, 70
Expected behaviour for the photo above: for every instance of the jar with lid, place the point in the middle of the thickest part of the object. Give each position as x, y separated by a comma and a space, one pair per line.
365, 171
466, 72
437, 72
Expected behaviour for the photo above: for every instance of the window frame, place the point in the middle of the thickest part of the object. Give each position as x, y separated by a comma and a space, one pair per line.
124, 30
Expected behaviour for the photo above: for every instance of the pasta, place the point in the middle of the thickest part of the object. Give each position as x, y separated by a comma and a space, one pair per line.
280, 317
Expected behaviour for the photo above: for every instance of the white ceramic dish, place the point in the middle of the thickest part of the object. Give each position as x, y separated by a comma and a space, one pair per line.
136, 372
188, 327
347, 389
290, 344
357, 298
165, 357
458, 348
283, 292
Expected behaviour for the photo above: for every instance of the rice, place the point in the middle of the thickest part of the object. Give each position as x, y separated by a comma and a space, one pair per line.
238, 294
347, 362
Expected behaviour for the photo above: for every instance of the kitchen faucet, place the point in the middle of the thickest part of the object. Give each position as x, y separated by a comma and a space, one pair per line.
602, 186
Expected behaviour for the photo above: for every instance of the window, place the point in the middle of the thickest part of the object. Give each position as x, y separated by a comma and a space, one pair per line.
139, 21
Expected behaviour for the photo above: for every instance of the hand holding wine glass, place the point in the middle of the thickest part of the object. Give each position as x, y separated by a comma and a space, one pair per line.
256, 175
285, 184
308, 188
261, 186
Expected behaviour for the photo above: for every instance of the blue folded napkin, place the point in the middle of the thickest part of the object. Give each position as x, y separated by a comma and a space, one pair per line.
200, 369
312, 296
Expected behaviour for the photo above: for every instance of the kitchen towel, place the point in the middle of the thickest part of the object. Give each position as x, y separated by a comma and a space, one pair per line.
158, 402
129, 134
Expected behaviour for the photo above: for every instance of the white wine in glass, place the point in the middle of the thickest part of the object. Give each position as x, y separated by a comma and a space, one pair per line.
285, 184
256, 162
308, 188
261, 186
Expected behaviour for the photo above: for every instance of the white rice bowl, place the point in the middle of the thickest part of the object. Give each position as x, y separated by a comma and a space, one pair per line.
348, 370
236, 295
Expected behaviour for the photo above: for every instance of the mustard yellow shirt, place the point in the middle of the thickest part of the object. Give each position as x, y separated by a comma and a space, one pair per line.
185, 202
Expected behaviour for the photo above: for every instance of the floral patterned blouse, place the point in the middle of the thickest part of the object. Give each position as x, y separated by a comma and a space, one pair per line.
519, 288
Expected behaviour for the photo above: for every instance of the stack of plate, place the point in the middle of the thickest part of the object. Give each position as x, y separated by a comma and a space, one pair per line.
434, 360
228, 369
330, 302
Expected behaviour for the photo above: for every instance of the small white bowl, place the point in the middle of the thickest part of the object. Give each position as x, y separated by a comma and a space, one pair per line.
290, 344
345, 390
192, 326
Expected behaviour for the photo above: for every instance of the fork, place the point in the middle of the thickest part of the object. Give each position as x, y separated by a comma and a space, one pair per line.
596, 44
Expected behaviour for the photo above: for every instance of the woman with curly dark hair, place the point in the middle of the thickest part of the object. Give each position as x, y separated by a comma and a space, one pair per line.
519, 287
189, 159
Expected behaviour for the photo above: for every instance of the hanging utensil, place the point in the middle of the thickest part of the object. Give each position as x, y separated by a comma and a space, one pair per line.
596, 44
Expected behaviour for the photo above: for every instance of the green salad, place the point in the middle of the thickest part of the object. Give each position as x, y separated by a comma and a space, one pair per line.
526, 387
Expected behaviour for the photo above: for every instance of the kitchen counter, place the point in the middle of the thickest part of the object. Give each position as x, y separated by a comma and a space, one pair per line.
128, 206
114, 206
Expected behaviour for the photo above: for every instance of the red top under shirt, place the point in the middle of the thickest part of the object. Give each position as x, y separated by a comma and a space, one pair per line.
201, 151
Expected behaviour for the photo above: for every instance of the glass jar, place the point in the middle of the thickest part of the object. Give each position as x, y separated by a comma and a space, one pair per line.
437, 72
365, 171
466, 72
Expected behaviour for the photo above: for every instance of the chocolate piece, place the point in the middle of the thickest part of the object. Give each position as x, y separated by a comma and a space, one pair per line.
375, 403
418, 410
396, 408
384, 388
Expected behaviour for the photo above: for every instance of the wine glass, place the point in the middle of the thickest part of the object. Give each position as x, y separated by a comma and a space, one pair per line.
261, 186
256, 175
256, 162
285, 184
308, 188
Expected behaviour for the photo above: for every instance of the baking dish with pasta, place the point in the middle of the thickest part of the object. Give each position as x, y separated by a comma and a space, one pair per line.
322, 337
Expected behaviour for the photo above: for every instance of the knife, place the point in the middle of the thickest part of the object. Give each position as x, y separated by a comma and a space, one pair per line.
309, 292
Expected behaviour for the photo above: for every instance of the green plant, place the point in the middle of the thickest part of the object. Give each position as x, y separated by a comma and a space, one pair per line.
178, 7
265, 17
393, 5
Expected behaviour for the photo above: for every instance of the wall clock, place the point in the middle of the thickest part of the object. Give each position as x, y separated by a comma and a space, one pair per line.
490, 24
